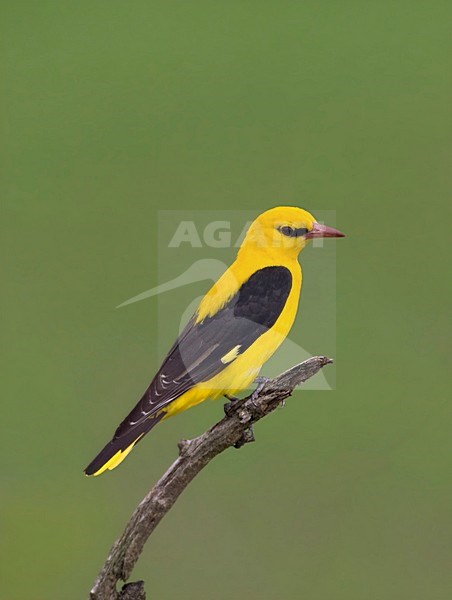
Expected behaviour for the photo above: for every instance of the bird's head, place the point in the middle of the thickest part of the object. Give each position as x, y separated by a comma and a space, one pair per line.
285, 231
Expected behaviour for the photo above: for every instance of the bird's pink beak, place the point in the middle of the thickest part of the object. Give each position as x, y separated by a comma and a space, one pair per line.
321, 231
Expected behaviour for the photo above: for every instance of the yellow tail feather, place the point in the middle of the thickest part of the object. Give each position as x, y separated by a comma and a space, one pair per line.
116, 459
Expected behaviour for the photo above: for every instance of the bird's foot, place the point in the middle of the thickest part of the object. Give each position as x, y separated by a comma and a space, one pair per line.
261, 383
261, 380
231, 405
246, 438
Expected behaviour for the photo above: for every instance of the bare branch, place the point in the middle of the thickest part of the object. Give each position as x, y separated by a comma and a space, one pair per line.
235, 429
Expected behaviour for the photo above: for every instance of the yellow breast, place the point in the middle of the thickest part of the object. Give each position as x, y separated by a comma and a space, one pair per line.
241, 372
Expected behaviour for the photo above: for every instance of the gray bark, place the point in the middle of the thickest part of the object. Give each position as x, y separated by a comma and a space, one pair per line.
235, 429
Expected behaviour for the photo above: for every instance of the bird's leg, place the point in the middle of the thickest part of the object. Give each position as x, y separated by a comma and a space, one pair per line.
229, 406
261, 379
231, 398
261, 383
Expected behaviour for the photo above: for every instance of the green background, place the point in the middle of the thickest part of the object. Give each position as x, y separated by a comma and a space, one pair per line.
114, 110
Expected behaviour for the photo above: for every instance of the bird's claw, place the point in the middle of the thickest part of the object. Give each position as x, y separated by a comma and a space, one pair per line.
231, 405
261, 380
261, 383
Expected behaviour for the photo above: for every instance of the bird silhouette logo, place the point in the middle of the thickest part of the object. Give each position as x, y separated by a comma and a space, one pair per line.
210, 269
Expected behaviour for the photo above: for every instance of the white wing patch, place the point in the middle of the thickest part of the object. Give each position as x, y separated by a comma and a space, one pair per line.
231, 355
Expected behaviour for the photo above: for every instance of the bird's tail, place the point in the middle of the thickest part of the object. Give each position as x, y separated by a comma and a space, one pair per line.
120, 446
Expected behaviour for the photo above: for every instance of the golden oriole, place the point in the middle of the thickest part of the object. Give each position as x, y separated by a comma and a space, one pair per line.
237, 326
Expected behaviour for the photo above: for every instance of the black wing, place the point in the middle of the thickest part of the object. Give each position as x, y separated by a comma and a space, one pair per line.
198, 352
196, 355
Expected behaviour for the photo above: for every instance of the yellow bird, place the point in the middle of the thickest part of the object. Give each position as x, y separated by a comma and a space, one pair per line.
237, 326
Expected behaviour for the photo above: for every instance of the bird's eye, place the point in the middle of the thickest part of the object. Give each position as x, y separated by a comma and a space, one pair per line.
287, 230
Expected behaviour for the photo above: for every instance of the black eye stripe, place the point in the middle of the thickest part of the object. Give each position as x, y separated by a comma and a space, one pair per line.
292, 231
